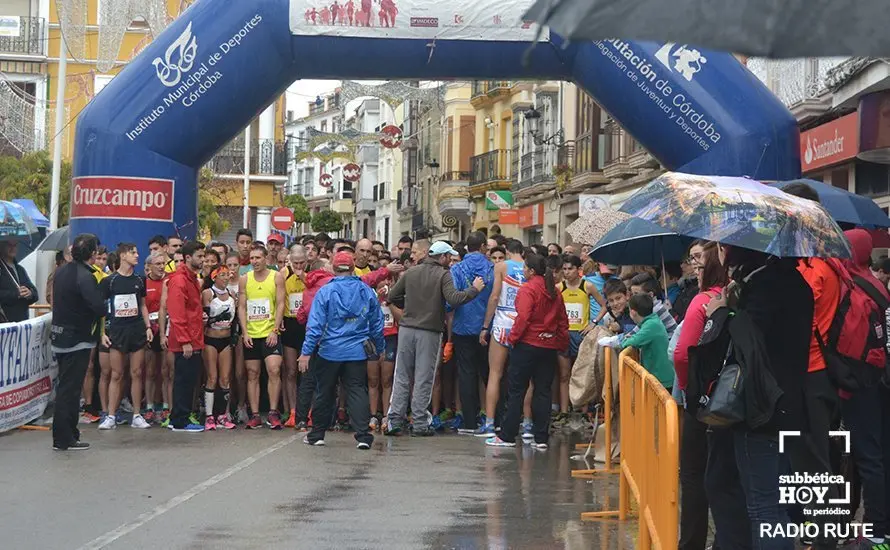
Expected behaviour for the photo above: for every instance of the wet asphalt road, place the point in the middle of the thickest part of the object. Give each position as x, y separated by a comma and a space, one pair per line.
157, 489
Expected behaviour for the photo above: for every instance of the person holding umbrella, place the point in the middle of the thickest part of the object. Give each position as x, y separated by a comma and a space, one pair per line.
17, 292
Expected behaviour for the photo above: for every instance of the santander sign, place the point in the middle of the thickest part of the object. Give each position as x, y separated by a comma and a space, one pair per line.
830, 143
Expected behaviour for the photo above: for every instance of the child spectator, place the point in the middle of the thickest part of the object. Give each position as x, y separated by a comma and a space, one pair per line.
651, 340
644, 283
617, 319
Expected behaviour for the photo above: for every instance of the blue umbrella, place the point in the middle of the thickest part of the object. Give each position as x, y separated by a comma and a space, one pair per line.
15, 223
640, 242
844, 206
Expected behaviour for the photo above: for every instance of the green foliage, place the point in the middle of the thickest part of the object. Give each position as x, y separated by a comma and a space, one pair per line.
327, 221
30, 177
297, 203
209, 220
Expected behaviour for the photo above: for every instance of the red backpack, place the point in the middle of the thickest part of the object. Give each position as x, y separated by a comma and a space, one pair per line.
855, 348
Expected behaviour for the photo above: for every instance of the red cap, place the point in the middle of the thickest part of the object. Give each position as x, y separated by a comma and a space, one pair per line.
275, 237
344, 261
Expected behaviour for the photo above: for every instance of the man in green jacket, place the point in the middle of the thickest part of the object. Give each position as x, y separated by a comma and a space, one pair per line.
651, 340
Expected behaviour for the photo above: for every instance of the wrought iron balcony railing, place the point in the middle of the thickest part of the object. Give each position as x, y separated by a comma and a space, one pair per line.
30, 39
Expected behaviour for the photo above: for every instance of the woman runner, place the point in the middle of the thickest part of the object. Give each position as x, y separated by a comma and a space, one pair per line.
220, 307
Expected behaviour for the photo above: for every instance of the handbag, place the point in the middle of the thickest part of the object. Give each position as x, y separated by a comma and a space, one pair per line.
723, 405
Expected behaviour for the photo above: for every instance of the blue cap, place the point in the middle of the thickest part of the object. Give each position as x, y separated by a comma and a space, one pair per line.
441, 247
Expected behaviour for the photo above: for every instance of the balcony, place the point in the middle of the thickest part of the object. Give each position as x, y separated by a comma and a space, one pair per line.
618, 168
490, 167
641, 159
368, 154
484, 90
449, 177
800, 84
30, 39
417, 221
533, 170
267, 157
364, 205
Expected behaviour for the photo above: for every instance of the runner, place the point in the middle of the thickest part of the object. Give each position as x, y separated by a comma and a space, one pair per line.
274, 244
156, 404
243, 241
128, 331
577, 295
240, 415
380, 372
363, 250
294, 331
260, 310
99, 361
158, 245
220, 307
212, 260
508, 277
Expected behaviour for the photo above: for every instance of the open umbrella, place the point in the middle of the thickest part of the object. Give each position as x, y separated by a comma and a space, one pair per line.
765, 28
15, 223
591, 227
640, 242
845, 207
57, 240
739, 212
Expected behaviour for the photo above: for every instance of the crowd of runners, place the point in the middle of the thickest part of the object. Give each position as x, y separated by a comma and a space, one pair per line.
328, 334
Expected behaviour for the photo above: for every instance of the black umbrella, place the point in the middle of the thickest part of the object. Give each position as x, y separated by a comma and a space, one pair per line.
765, 28
57, 240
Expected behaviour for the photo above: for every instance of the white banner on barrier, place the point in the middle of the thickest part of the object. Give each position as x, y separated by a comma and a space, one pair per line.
28, 371
422, 19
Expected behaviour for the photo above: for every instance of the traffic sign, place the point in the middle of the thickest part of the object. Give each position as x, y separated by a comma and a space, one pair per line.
282, 219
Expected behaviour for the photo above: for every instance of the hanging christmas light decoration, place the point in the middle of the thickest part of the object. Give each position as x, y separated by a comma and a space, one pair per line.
349, 138
25, 121
72, 16
115, 16
325, 155
394, 92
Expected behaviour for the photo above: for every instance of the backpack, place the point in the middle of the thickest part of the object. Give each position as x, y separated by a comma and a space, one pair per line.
855, 346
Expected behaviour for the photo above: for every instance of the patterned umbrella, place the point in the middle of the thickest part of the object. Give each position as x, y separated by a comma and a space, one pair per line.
591, 227
739, 212
15, 223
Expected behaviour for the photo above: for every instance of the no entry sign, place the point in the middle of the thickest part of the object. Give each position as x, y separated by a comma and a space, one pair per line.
282, 219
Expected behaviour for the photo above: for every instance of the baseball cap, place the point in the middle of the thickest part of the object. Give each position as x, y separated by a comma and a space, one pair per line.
275, 237
441, 247
343, 261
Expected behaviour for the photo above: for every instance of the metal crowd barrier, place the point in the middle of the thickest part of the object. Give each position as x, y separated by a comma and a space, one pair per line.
650, 452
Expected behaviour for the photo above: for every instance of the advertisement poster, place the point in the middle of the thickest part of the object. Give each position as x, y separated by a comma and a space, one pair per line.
28, 371
420, 19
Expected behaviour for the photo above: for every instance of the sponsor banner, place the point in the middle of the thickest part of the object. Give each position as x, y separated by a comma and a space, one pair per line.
146, 199
28, 371
498, 200
420, 19
831, 143
530, 216
588, 203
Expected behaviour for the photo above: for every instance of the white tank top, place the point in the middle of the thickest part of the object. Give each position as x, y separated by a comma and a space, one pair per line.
218, 306
513, 279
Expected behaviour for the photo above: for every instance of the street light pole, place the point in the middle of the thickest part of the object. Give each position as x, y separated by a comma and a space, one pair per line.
57, 138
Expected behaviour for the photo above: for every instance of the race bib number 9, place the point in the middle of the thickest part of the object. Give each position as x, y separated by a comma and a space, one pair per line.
387, 317
294, 301
126, 305
574, 311
259, 310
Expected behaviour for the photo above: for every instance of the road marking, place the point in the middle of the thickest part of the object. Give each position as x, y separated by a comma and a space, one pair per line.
115, 534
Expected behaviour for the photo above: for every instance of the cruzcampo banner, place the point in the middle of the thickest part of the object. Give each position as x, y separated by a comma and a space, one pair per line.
498, 200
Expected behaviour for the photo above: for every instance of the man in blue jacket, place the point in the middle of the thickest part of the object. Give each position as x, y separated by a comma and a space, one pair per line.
470, 354
345, 323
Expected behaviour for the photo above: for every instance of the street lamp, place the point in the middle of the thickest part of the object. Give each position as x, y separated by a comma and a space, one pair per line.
433, 165
533, 119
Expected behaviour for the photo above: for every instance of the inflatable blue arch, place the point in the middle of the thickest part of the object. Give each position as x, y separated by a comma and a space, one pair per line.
140, 143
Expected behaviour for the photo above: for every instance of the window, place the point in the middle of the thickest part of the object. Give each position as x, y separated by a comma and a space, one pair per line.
381, 191
347, 190
309, 178
324, 125
100, 81
590, 143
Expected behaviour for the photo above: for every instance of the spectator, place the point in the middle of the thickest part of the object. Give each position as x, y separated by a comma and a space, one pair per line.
651, 339
17, 292
554, 249
75, 332
422, 292
62, 257
344, 319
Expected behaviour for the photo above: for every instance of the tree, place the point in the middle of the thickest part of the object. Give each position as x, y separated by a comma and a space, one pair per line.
297, 203
30, 177
209, 220
327, 221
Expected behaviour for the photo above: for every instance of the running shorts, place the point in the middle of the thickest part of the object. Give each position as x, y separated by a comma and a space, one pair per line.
127, 339
260, 350
294, 334
392, 345
500, 328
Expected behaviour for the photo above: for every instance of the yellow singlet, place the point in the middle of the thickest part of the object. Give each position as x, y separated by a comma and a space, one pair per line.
170, 266
577, 306
260, 305
359, 271
294, 288
98, 274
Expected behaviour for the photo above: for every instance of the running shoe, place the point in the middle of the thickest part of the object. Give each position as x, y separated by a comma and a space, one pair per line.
436, 424
373, 424
190, 428
362, 446
540, 446
241, 415
148, 415
390, 429
274, 420
429, 432
498, 442
254, 423
126, 405
139, 422
166, 423
89, 418
527, 429
225, 422
446, 415
163, 416
301, 427
210, 423
318, 443
291, 419
120, 417
108, 423
487, 430
76, 446
193, 419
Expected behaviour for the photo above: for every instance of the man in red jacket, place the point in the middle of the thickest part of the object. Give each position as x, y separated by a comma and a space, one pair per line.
186, 340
